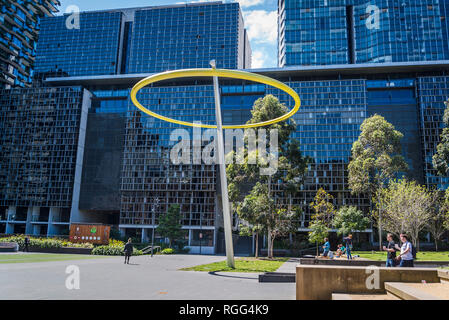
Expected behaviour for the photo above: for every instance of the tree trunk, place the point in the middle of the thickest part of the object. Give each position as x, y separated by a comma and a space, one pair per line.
272, 246
269, 249
436, 245
269, 243
257, 245
317, 251
380, 230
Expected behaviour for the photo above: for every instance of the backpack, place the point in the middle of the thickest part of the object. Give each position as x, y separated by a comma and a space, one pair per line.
414, 251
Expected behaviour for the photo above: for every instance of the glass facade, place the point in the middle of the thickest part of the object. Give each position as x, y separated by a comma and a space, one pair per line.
144, 40
39, 143
20, 23
358, 31
148, 172
163, 40
432, 92
90, 50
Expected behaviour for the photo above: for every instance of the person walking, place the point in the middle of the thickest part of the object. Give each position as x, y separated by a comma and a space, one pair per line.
406, 255
391, 251
128, 250
27, 243
348, 241
326, 247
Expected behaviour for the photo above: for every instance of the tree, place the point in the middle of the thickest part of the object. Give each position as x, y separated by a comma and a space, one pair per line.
318, 231
439, 221
322, 219
170, 224
376, 160
260, 213
440, 159
323, 207
350, 219
407, 207
253, 210
244, 178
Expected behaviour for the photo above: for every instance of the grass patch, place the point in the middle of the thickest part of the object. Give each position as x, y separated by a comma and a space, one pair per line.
27, 258
422, 255
242, 265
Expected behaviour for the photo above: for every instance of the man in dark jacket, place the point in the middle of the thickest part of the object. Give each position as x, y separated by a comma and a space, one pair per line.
27, 243
128, 250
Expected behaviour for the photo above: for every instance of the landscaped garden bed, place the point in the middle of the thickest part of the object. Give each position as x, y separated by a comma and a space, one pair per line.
255, 265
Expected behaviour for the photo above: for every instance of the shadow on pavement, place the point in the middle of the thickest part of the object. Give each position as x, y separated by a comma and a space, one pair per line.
214, 273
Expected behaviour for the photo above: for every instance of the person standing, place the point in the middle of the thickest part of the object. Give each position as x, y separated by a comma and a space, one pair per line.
391, 251
27, 243
326, 247
348, 241
128, 250
406, 255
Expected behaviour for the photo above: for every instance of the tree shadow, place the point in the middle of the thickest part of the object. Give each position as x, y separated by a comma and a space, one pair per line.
214, 273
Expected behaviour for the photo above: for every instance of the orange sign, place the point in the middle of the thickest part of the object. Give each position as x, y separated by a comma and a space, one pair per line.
97, 234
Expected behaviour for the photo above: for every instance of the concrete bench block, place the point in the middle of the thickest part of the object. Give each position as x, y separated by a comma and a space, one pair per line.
317, 282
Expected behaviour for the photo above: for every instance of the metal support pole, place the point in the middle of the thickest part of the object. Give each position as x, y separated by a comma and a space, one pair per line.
224, 182
156, 203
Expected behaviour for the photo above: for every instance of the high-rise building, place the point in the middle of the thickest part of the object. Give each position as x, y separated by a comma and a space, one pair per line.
122, 173
127, 161
324, 32
19, 32
139, 40
83, 163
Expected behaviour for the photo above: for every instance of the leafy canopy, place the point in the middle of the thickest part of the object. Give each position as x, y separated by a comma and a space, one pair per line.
350, 219
441, 158
376, 156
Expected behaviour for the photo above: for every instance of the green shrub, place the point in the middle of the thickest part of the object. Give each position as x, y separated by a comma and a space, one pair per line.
45, 242
168, 251
114, 248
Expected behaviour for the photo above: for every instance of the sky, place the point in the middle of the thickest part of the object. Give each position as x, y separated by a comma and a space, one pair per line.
260, 18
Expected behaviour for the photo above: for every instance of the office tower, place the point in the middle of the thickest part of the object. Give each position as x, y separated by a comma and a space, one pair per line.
19, 32
145, 40
324, 32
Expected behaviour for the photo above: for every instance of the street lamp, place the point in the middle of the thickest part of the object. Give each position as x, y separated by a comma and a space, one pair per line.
153, 209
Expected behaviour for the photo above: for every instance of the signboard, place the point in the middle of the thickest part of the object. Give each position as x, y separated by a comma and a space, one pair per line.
96, 234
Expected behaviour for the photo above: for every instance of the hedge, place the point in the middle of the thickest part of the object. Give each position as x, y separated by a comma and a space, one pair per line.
45, 242
115, 248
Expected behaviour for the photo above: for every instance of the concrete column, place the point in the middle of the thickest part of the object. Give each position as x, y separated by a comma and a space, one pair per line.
29, 226
53, 216
76, 215
9, 228
143, 238
11, 212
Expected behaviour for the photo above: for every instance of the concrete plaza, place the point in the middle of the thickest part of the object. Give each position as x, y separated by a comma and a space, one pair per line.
144, 278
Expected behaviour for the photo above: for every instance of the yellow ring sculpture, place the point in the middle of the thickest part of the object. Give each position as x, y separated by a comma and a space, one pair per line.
215, 73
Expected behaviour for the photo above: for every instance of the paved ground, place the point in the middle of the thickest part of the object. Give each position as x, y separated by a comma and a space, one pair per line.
144, 278
289, 266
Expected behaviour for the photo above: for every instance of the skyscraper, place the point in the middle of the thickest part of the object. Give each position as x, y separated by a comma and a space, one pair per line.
19, 32
324, 32
139, 40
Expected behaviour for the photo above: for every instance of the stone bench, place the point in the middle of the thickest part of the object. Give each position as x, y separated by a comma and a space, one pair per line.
319, 282
8, 247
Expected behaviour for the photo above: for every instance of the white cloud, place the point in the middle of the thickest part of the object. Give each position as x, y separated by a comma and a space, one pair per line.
243, 3
258, 59
262, 26
250, 3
